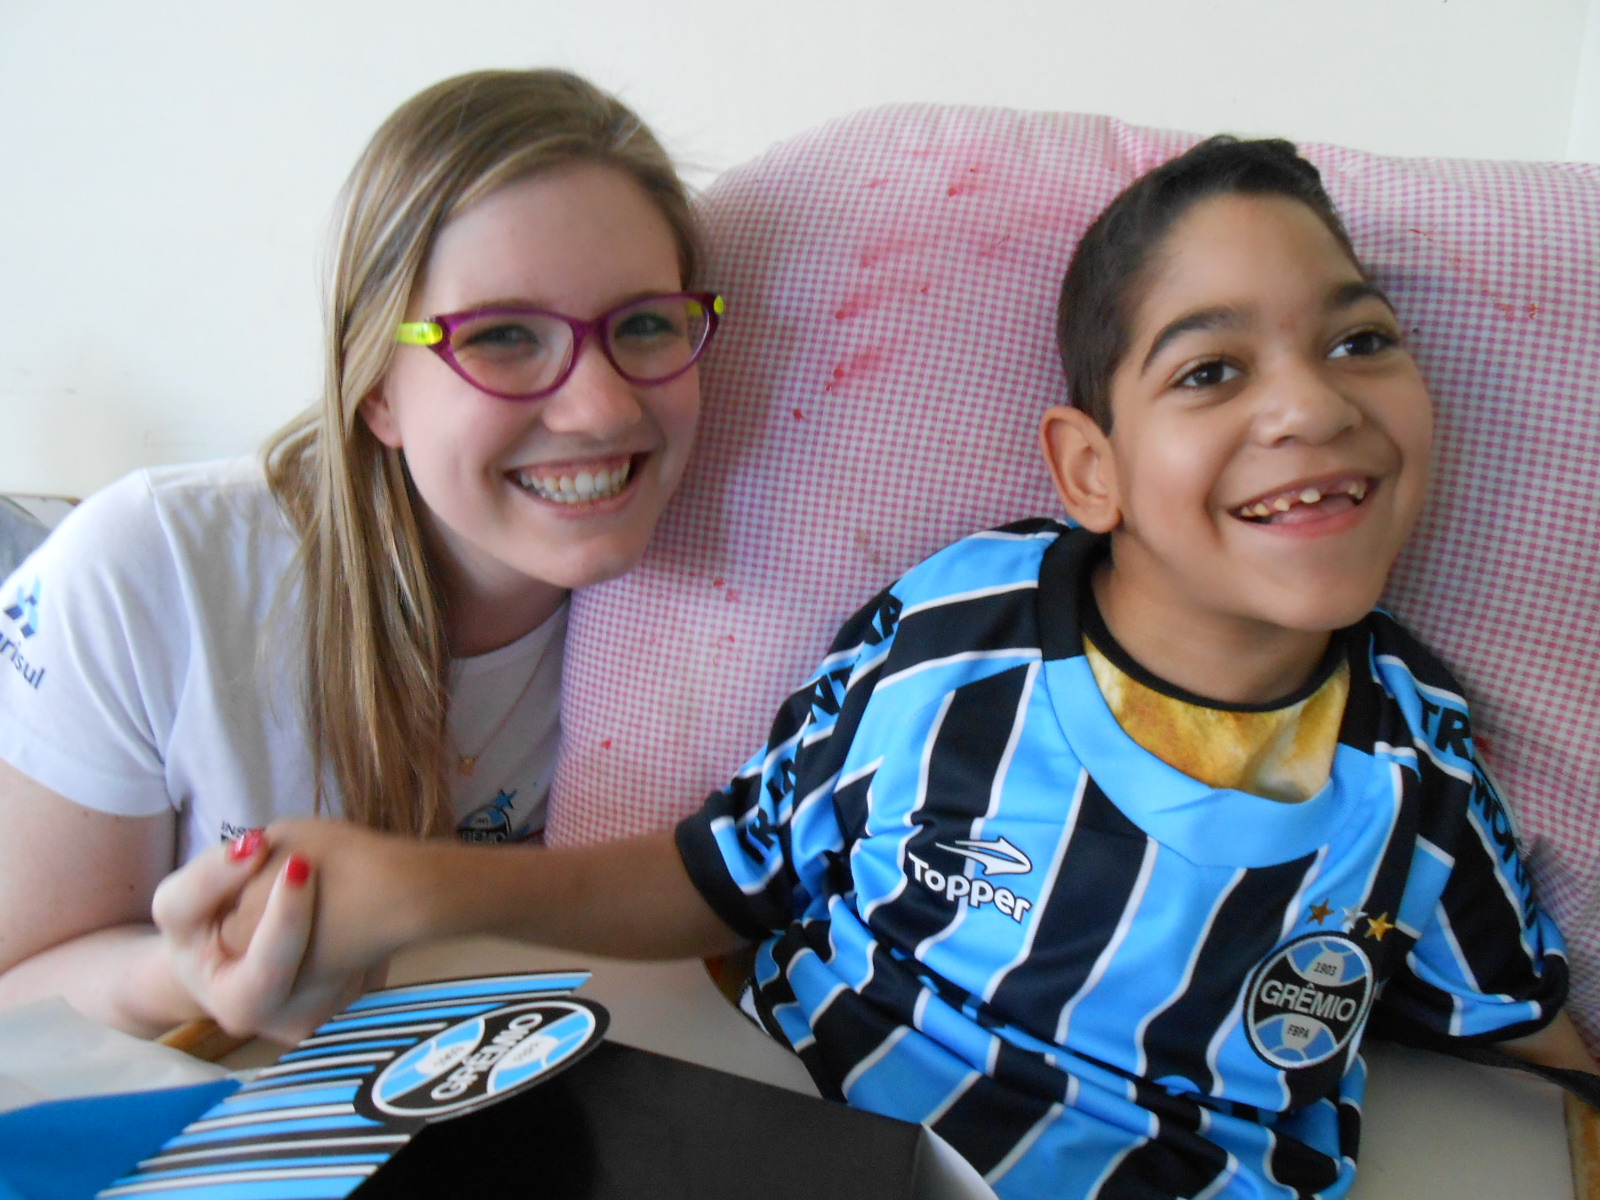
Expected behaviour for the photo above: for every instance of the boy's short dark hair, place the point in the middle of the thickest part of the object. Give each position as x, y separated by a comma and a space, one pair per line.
1105, 279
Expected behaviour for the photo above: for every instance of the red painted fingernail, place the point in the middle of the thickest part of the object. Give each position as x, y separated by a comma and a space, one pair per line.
297, 871
245, 845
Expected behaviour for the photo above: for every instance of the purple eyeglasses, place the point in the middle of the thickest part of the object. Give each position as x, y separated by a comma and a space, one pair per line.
526, 353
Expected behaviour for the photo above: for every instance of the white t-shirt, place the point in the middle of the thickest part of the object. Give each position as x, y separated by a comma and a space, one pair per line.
147, 663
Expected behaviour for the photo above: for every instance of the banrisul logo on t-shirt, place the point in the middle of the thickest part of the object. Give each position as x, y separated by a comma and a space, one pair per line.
1307, 1001
23, 611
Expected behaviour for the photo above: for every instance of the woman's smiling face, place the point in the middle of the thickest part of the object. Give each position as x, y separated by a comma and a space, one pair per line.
578, 240
1270, 434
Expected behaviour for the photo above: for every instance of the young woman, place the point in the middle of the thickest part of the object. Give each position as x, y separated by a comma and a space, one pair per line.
369, 622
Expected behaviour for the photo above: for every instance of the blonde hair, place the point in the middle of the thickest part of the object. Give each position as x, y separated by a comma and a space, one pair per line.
375, 653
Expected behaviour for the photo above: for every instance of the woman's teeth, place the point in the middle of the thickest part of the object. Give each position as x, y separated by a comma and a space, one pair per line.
1356, 489
577, 487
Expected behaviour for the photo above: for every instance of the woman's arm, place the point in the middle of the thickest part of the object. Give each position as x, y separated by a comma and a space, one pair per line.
75, 888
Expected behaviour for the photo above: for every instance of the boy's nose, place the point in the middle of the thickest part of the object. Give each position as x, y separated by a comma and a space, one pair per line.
1302, 404
594, 400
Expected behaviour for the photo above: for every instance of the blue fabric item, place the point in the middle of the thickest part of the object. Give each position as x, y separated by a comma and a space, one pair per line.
70, 1149
20, 535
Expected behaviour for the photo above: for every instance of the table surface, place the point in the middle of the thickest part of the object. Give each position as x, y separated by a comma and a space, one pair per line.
1434, 1128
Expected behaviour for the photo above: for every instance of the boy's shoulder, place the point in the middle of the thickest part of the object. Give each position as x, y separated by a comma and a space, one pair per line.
1399, 658
1007, 556
976, 597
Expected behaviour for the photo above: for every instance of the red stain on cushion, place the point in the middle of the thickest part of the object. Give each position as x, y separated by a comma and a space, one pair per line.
858, 366
856, 305
884, 249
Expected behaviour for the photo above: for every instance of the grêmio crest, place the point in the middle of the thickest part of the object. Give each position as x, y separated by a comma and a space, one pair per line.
1308, 1000
482, 1059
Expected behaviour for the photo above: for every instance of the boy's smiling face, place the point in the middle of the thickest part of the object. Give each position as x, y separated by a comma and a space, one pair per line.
1270, 439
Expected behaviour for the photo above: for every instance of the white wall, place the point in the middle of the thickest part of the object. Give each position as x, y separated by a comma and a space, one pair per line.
167, 167
1583, 144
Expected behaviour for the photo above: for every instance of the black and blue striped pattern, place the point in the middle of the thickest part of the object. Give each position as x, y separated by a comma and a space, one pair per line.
989, 910
294, 1131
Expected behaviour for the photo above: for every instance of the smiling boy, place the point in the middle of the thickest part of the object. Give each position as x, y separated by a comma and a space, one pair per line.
1095, 849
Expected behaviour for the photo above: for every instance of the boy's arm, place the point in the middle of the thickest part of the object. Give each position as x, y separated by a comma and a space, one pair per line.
1556, 1045
627, 899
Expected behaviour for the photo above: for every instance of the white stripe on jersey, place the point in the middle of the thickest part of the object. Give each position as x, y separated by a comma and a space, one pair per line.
1486, 840
1023, 1144
999, 589
850, 777
1405, 754
1436, 853
871, 1060
1143, 1062
902, 850
1047, 889
945, 1105
1021, 654
1003, 535
1444, 698
1396, 793
1461, 965
782, 749
1224, 1177
1291, 917
756, 884
1019, 720
1130, 910
1443, 695
1116, 1161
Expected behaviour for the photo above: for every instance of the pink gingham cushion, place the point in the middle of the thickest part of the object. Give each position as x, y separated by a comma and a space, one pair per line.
892, 278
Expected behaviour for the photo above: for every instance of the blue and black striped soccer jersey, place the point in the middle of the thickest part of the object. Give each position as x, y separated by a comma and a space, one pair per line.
985, 908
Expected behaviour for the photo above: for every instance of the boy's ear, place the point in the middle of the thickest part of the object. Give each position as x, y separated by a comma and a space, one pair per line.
1083, 468
380, 418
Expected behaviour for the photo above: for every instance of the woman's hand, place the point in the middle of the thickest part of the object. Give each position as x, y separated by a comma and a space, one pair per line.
237, 932
368, 885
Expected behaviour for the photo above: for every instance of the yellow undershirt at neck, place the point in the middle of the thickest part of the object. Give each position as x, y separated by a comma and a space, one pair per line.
1281, 753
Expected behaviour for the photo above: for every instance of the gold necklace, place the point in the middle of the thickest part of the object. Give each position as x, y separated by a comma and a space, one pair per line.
467, 764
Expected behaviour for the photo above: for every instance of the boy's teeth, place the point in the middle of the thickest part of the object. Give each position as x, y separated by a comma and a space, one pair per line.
578, 487
1356, 489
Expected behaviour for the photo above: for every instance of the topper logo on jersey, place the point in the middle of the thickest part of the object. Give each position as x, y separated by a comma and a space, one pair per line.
476, 1061
1308, 1000
999, 857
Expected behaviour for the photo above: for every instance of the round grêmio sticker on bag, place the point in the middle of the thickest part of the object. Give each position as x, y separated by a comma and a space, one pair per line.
482, 1059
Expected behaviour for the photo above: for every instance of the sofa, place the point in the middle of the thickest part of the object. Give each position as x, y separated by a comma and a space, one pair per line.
891, 280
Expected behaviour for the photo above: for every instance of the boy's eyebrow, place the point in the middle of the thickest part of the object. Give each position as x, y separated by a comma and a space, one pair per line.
1224, 316
1348, 294
1220, 317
